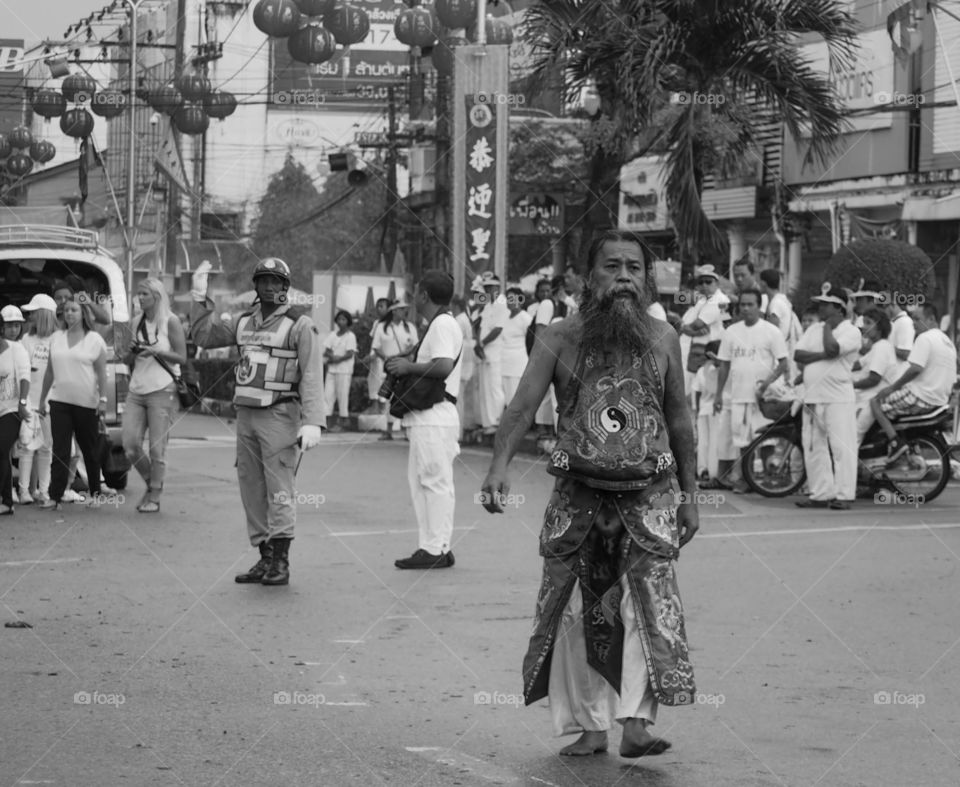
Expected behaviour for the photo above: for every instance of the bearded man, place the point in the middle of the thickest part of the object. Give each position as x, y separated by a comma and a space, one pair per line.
609, 620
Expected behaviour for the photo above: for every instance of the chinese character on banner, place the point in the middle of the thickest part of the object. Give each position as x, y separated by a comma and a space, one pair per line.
481, 186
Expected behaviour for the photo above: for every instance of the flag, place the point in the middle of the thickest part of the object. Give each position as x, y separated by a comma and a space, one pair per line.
88, 160
171, 163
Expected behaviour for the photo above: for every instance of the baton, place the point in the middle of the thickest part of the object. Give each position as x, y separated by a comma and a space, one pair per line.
299, 458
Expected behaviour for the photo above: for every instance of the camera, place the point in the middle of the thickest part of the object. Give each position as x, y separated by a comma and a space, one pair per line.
387, 388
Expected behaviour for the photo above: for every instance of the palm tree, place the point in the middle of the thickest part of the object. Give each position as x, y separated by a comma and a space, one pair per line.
645, 56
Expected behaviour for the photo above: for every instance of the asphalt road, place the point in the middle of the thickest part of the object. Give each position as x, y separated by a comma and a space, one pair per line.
825, 645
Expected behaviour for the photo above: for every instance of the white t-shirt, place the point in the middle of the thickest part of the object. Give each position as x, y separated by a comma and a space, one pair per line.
494, 315
513, 358
545, 310
74, 378
781, 309
934, 351
444, 339
396, 338
705, 384
657, 311
880, 359
340, 345
830, 381
753, 352
710, 311
14, 367
902, 335
39, 352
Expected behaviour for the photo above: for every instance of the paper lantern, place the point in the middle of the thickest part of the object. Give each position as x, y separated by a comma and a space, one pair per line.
19, 164
194, 87
416, 27
49, 104
20, 137
220, 104
79, 88
77, 123
167, 99
108, 103
277, 18
42, 151
312, 43
191, 119
348, 24
456, 13
315, 7
5, 147
498, 32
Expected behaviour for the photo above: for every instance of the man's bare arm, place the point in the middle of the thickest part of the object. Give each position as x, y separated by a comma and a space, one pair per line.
677, 414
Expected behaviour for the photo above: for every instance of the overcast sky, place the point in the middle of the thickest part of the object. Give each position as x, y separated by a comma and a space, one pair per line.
35, 20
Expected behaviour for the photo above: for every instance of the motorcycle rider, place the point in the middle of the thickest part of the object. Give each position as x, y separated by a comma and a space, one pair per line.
279, 402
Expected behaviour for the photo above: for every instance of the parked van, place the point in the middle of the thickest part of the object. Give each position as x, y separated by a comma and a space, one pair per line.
33, 257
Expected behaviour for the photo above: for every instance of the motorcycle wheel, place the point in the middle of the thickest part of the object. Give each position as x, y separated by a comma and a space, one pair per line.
773, 466
927, 454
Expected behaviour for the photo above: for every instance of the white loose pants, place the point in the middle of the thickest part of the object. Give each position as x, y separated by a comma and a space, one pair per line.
708, 428
581, 700
830, 450
491, 393
336, 390
430, 473
510, 385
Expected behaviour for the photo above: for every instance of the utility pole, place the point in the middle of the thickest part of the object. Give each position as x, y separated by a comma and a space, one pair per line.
392, 198
171, 233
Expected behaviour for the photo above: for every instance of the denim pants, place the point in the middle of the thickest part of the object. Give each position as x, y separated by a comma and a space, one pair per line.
151, 412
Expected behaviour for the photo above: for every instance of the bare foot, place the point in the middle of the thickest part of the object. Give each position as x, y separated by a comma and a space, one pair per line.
637, 742
588, 743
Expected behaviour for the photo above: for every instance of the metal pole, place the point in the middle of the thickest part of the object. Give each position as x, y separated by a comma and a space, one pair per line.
391, 234
481, 22
132, 160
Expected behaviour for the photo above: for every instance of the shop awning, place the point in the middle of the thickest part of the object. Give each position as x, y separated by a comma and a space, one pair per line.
932, 209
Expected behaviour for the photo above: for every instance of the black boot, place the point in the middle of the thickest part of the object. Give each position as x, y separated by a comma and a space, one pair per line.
258, 572
279, 571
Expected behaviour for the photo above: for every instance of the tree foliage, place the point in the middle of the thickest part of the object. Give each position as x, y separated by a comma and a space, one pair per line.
336, 227
898, 267
650, 60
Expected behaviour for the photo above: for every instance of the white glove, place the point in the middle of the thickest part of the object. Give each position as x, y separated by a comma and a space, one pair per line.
308, 436
200, 276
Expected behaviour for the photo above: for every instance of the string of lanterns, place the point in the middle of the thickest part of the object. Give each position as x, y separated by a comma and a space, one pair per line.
190, 102
22, 151
313, 28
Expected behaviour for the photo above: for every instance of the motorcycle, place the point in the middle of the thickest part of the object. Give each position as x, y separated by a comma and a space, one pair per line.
773, 463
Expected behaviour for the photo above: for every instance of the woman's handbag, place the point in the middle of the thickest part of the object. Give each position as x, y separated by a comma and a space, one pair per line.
411, 392
187, 390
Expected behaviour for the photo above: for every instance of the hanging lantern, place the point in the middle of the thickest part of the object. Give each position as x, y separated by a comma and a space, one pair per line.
312, 44
220, 104
42, 151
79, 88
456, 13
49, 104
195, 87
77, 123
315, 7
5, 147
498, 31
191, 119
276, 18
444, 53
166, 99
108, 103
415, 27
20, 137
348, 24
19, 164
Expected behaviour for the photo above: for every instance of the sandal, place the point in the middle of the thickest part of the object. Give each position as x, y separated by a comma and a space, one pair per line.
149, 507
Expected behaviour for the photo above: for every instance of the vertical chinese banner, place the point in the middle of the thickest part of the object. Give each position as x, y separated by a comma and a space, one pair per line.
479, 143
481, 187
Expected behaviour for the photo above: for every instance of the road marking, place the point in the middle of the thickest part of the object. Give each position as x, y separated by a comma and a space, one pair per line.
402, 617
464, 763
350, 641
347, 533
348, 704
41, 562
802, 531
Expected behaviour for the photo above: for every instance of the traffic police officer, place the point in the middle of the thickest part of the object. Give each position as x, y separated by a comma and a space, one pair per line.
279, 402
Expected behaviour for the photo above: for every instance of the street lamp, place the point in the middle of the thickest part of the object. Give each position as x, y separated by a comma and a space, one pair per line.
134, 6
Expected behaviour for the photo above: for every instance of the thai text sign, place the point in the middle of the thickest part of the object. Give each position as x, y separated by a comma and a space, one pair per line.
536, 214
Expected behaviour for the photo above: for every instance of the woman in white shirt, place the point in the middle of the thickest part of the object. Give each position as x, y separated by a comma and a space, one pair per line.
76, 382
152, 396
876, 368
396, 336
340, 348
514, 351
14, 390
42, 311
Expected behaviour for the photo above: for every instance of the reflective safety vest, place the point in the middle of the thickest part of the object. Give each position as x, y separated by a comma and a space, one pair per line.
268, 368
